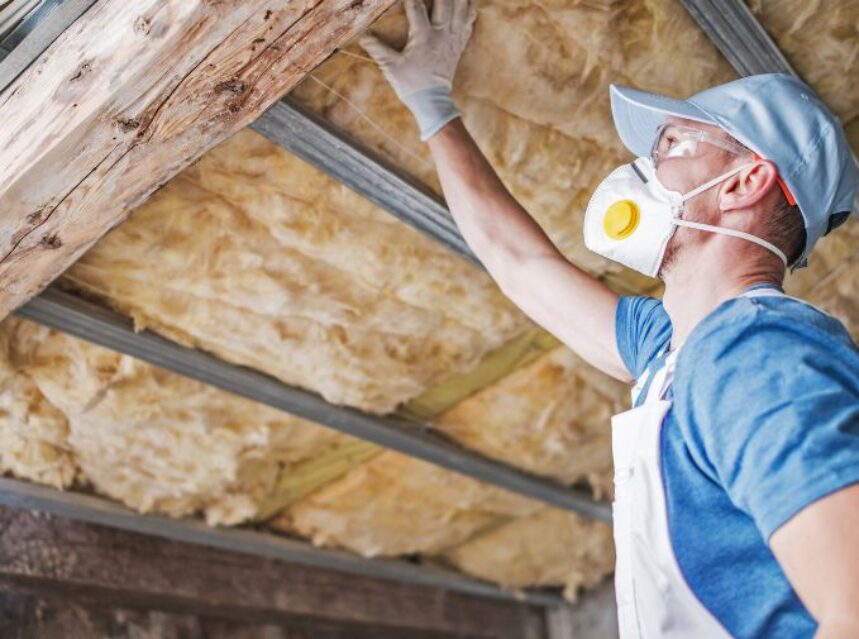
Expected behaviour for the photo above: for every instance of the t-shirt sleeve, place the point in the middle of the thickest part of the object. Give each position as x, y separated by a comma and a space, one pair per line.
772, 409
642, 329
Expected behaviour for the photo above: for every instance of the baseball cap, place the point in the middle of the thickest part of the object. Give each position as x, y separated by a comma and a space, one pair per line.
777, 116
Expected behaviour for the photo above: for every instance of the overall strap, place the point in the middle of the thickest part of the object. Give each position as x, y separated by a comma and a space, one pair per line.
663, 377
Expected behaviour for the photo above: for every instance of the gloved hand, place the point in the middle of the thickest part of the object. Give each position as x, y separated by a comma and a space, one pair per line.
422, 73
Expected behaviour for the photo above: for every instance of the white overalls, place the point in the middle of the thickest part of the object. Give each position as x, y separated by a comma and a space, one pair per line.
653, 598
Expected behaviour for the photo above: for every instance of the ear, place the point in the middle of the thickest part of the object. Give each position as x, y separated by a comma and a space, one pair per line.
749, 186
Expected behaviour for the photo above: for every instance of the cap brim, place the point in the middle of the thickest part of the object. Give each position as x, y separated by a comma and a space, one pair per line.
638, 114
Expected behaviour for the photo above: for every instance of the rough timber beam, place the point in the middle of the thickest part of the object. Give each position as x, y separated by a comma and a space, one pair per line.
739, 36
91, 322
96, 510
88, 321
129, 95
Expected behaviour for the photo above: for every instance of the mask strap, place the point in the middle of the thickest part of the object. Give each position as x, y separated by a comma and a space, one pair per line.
721, 229
716, 180
733, 233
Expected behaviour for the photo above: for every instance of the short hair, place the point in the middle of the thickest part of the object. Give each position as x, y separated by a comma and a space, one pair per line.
786, 229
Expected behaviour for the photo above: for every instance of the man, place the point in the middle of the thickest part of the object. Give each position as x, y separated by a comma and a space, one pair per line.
736, 495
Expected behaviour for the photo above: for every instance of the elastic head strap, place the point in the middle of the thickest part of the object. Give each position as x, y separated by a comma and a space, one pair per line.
716, 180
721, 230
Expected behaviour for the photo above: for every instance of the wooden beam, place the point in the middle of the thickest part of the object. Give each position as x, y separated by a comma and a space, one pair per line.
129, 95
594, 616
49, 555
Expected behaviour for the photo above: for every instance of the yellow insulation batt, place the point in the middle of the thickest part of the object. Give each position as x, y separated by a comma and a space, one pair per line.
533, 91
548, 418
395, 505
261, 259
264, 261
151, 439
821, 40
541, 113
831, 280
551, 548
33, 433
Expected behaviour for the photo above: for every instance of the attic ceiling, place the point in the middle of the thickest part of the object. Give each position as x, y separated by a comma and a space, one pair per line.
264, 261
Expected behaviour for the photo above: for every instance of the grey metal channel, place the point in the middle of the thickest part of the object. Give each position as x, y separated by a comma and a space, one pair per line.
96, 510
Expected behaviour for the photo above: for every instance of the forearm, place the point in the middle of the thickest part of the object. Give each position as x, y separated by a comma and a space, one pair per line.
493, 223
520, 257
507, 240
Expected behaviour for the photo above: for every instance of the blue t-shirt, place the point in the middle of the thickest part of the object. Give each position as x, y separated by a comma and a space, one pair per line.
765, 421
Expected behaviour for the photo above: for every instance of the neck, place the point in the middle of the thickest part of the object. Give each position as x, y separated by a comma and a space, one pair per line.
705, 279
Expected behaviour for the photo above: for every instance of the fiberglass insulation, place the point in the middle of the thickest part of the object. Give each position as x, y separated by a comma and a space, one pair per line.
262, 260
550, 417
533, 91
149, 438
543, 417
551, 548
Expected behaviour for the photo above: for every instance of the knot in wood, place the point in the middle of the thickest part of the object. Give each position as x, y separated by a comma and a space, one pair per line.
236, 87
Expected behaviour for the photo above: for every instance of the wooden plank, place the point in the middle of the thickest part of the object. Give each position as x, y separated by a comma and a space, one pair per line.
43, 553
594, 616
77, 613
83, 319
95, 510
129, 95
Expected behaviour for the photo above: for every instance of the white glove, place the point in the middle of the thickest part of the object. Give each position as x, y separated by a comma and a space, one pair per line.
422, 73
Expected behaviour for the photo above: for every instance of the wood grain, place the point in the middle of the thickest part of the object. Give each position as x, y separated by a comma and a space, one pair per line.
48, 555
128, 96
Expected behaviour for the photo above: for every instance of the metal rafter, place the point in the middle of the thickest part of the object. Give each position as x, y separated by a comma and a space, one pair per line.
37, 32
736, 32
96, 510
91, 322
320, 144
743, 41
88, 321
67, 313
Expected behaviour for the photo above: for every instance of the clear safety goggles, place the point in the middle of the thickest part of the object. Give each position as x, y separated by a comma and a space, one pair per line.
678, 141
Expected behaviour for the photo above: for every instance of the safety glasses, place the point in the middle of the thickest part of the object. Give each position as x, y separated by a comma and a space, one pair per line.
677, 141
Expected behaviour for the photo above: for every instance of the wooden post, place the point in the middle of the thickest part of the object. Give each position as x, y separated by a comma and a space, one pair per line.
594, 616
129, 95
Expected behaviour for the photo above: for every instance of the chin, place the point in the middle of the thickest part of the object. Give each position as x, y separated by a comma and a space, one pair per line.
669, 260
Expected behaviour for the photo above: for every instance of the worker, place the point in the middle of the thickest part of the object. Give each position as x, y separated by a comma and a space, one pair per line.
736, 504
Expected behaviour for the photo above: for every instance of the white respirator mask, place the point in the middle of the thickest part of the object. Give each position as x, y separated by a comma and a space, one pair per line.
631, 217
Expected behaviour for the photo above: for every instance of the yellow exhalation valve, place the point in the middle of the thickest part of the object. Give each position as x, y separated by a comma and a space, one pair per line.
621, 219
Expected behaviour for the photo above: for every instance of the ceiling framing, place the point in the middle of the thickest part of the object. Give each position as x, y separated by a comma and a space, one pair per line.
731, 27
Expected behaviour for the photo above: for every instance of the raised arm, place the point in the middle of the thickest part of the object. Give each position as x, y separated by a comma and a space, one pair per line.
575, 307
